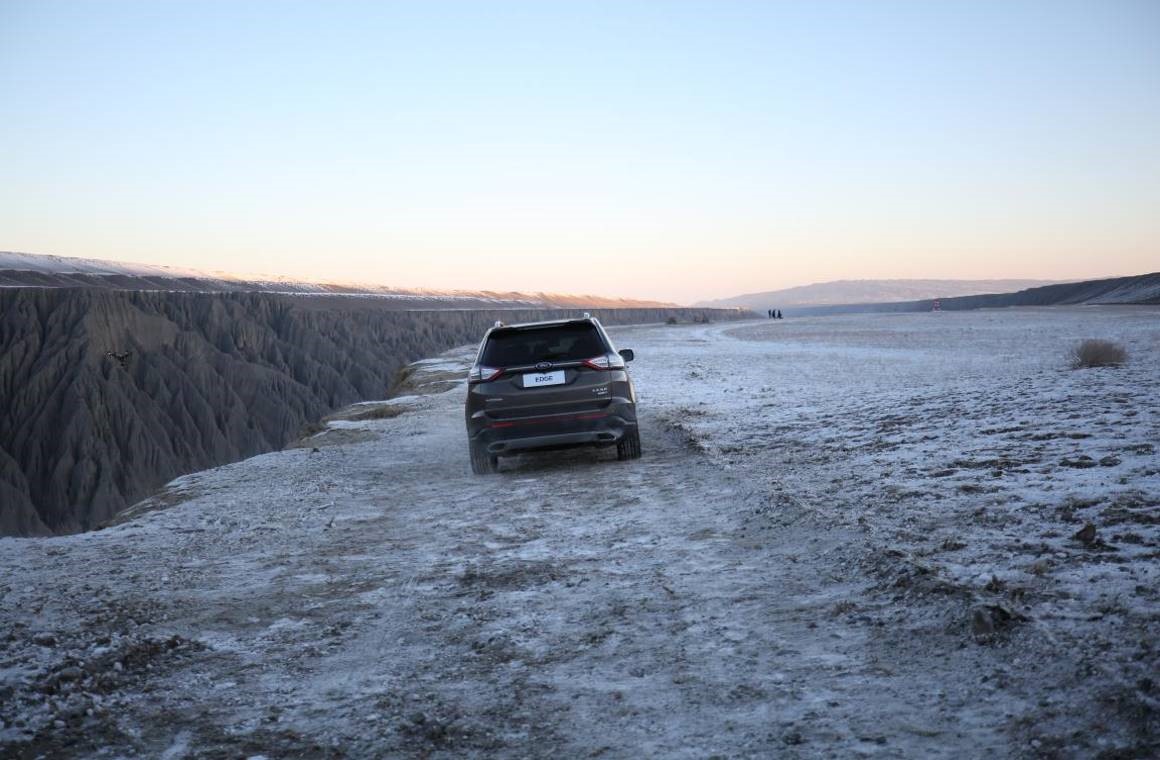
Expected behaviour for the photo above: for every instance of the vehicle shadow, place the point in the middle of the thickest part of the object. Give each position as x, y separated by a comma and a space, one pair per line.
661, 444
564, 460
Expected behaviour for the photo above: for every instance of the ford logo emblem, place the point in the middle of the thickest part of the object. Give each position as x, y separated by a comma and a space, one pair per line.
544, 366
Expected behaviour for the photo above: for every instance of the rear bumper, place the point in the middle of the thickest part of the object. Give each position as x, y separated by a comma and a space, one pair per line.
557, 431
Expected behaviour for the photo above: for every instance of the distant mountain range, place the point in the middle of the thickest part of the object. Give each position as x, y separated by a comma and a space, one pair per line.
1136, 289
38, 270
870, 291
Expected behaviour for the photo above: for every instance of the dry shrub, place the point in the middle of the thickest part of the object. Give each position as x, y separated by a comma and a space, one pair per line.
361, 412
378, 413
311, 428
671, 321
1097, 353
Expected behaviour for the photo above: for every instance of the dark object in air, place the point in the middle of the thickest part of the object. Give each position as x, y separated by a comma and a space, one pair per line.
549, 385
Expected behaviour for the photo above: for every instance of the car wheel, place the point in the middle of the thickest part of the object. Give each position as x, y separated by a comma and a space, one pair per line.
482, 463
629, 446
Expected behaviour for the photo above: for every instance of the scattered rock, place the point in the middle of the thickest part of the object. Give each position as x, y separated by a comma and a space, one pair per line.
981, 623
70, 674
1086, 534
1082, 462
74, 709
44, 639
987, 619
1109, 461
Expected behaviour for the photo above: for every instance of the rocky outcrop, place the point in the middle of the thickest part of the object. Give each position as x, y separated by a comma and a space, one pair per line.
106, 395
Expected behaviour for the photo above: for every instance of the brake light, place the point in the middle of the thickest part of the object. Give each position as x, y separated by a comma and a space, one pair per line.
481, 374
607, 361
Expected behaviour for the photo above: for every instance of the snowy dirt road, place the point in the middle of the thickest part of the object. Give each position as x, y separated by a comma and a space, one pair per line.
847, 536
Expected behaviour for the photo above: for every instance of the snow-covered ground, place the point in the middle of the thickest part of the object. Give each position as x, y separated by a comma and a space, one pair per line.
862, 535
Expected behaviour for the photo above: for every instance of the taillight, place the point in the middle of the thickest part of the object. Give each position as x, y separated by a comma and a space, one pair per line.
481, 374
607, 361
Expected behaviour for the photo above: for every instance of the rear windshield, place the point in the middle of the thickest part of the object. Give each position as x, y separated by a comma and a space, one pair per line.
556, 343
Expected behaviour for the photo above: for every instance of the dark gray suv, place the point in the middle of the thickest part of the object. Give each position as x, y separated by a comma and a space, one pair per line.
549, 385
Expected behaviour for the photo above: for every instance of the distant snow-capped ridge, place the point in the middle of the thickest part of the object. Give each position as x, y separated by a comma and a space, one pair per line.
40, 270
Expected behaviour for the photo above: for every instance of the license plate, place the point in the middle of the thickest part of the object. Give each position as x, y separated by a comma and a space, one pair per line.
537, 379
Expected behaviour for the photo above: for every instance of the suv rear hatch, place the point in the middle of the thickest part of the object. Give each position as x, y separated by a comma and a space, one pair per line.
544, 371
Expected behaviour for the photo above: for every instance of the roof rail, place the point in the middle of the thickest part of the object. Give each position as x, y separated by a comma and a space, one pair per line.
498, 323
587, 315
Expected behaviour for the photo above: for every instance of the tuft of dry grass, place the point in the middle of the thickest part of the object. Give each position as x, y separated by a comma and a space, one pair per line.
1097, 353
378, 413
361, 412
311, 428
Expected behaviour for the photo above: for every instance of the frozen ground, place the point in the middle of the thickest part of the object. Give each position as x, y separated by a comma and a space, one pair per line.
848, 536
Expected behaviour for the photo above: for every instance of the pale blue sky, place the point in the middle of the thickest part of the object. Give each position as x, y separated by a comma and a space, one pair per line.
661, 149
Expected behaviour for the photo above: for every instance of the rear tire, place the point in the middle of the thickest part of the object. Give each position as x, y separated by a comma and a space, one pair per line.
482, 463
629, 446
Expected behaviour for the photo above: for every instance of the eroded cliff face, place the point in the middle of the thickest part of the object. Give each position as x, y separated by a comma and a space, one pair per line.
202, 380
